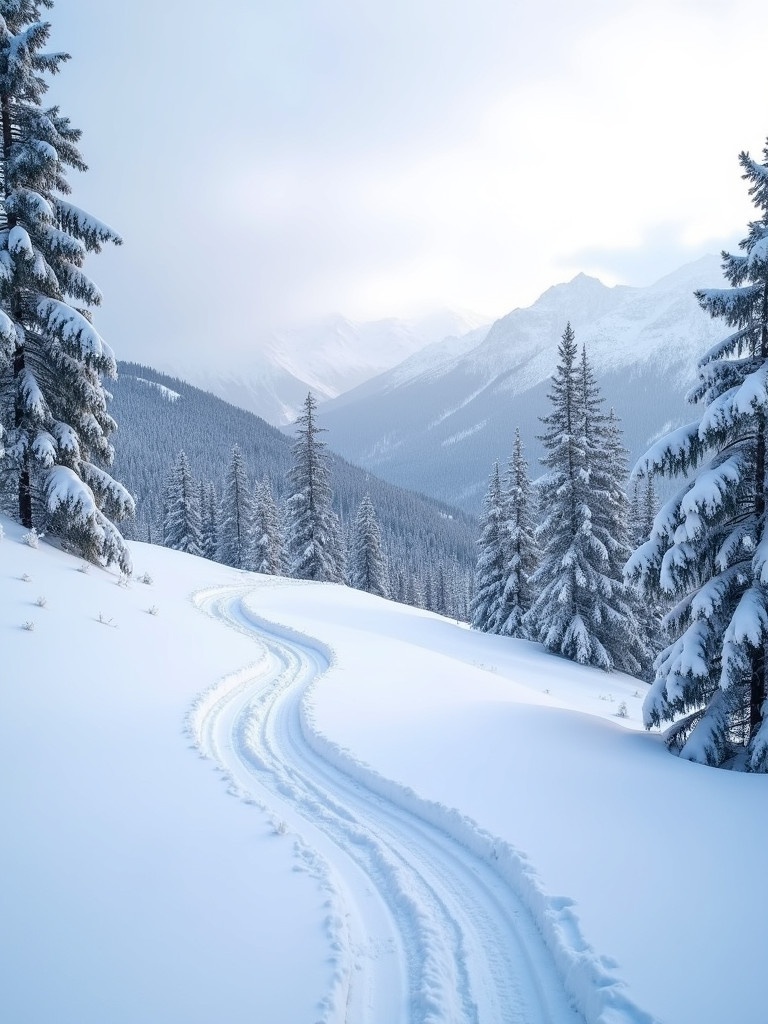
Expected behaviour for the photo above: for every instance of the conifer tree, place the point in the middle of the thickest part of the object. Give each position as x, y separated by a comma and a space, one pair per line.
582, 609
651, 604
487, 606
267, 552
606, 467
338, 545
314, 532
182, 513
53, 405
560, 615
519, 543
709, 546
236, 524
368, 566
413, 592
636, 639
210, 512
643, 508
441, 594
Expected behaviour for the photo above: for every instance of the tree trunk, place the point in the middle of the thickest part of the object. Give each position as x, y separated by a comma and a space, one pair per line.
25, 489
757, 682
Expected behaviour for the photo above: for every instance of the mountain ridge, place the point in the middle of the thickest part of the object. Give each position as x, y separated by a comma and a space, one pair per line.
328, 357
440, 427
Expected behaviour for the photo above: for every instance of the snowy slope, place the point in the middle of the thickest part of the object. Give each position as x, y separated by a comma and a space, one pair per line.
328, 357
321, 874
439, 427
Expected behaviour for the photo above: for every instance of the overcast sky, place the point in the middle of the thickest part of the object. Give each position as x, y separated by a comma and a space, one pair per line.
286, 159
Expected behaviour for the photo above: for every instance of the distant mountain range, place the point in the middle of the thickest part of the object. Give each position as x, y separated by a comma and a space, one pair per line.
328, 358
437, 422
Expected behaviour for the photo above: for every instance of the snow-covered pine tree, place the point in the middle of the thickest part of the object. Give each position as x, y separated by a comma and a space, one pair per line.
709, 545
652, 605
338, 545
636, 637
367, 564
267, 551
561, 612
52, 401
440, 591
606, 461
210, 513
519, 542
182, 510
313, 538
643, 508
428, 586
581, 609
236, 524
488, 605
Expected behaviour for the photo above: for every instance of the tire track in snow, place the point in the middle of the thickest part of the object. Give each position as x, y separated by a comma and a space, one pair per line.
425, 928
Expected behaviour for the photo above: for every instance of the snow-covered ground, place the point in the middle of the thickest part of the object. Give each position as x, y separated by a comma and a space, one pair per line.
395, 819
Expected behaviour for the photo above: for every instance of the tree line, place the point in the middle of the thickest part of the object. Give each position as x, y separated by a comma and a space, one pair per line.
303, 537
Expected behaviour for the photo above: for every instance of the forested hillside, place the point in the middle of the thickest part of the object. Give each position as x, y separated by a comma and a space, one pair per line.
159, 416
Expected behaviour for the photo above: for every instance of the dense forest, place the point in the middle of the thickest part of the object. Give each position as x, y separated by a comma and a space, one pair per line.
159, 416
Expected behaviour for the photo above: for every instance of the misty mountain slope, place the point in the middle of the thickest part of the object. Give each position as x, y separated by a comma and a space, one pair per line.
433, 360
158, 416
328, 358
440, 427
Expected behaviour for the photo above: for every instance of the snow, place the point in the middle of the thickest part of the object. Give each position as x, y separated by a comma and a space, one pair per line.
167, 393
64, 486
409, 819
463, 434
139, 892
19, 242
446, 413
72, 327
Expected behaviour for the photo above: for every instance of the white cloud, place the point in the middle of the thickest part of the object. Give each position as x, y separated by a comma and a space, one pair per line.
377, 159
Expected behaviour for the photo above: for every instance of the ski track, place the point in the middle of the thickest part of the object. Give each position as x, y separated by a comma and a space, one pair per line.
422, 929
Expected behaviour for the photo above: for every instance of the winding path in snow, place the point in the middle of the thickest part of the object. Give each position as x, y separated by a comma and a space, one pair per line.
422, 929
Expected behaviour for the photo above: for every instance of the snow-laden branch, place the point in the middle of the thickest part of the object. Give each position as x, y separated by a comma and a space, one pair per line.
75, 331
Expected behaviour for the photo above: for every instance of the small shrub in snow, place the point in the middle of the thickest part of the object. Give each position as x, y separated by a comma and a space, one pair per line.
31, 539
105, 621
281, 828
41, 602
145, 578
621, 711
123, 580
25, 577
28, 625
84, 568
153, 609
